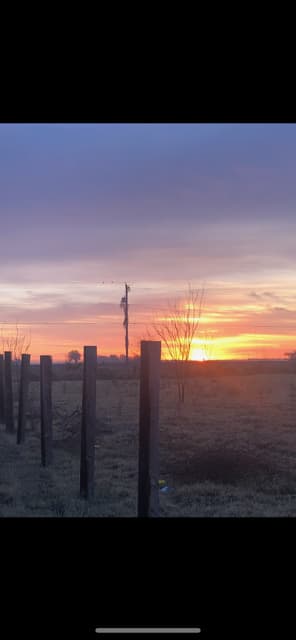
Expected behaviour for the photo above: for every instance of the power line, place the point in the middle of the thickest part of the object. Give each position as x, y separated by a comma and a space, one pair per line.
114, 322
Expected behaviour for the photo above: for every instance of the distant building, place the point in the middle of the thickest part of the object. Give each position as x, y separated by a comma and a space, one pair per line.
291, 355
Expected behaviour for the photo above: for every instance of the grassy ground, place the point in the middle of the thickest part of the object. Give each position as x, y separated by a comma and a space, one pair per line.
229, 451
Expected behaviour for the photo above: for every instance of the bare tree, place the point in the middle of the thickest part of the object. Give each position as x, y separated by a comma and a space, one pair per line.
177, 329
18, 343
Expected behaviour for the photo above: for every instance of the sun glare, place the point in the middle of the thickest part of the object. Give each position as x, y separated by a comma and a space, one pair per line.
197, 353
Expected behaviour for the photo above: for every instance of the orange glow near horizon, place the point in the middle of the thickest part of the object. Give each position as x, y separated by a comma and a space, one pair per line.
223, 348
57, 343
195, 222
230, 326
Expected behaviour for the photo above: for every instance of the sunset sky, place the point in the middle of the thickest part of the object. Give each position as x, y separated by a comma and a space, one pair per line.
157, 206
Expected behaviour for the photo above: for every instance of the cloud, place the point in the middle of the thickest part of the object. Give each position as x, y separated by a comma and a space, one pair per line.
281, 309
154, 205
263, 295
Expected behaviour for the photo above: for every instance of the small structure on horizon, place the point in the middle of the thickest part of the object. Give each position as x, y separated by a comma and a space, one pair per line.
291, 355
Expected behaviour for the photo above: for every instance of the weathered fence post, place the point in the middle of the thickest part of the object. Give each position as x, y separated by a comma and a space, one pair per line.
23, 397
2, 405
46, 409
9, 421
88, 424
148, 478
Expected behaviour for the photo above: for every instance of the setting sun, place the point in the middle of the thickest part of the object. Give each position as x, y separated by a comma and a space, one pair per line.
198, 353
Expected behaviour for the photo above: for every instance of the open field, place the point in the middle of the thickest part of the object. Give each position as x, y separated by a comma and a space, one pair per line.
229, 451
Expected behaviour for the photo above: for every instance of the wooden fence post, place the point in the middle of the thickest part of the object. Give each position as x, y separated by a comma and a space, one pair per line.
88, 423
23, 398
148, 478
9, 420
46, 409
2, 401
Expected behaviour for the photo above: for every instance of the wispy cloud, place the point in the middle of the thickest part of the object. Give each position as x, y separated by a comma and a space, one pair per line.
154, 205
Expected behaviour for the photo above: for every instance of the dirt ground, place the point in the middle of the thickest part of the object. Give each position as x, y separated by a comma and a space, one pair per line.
230, 450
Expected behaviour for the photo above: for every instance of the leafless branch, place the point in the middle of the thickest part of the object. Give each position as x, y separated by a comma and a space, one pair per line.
178, 328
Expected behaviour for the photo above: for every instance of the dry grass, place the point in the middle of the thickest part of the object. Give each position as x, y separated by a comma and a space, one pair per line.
229, 451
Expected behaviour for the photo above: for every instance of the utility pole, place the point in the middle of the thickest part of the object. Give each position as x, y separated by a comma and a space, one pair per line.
124, 306
126, 324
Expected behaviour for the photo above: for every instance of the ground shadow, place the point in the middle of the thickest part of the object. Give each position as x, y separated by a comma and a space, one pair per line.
218, 466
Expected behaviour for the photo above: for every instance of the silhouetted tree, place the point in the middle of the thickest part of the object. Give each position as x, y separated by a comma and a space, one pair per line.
177, 328
18, 342
15, 341
74, 356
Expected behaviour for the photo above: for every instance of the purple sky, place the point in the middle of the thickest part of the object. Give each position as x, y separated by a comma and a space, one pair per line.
157, 206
